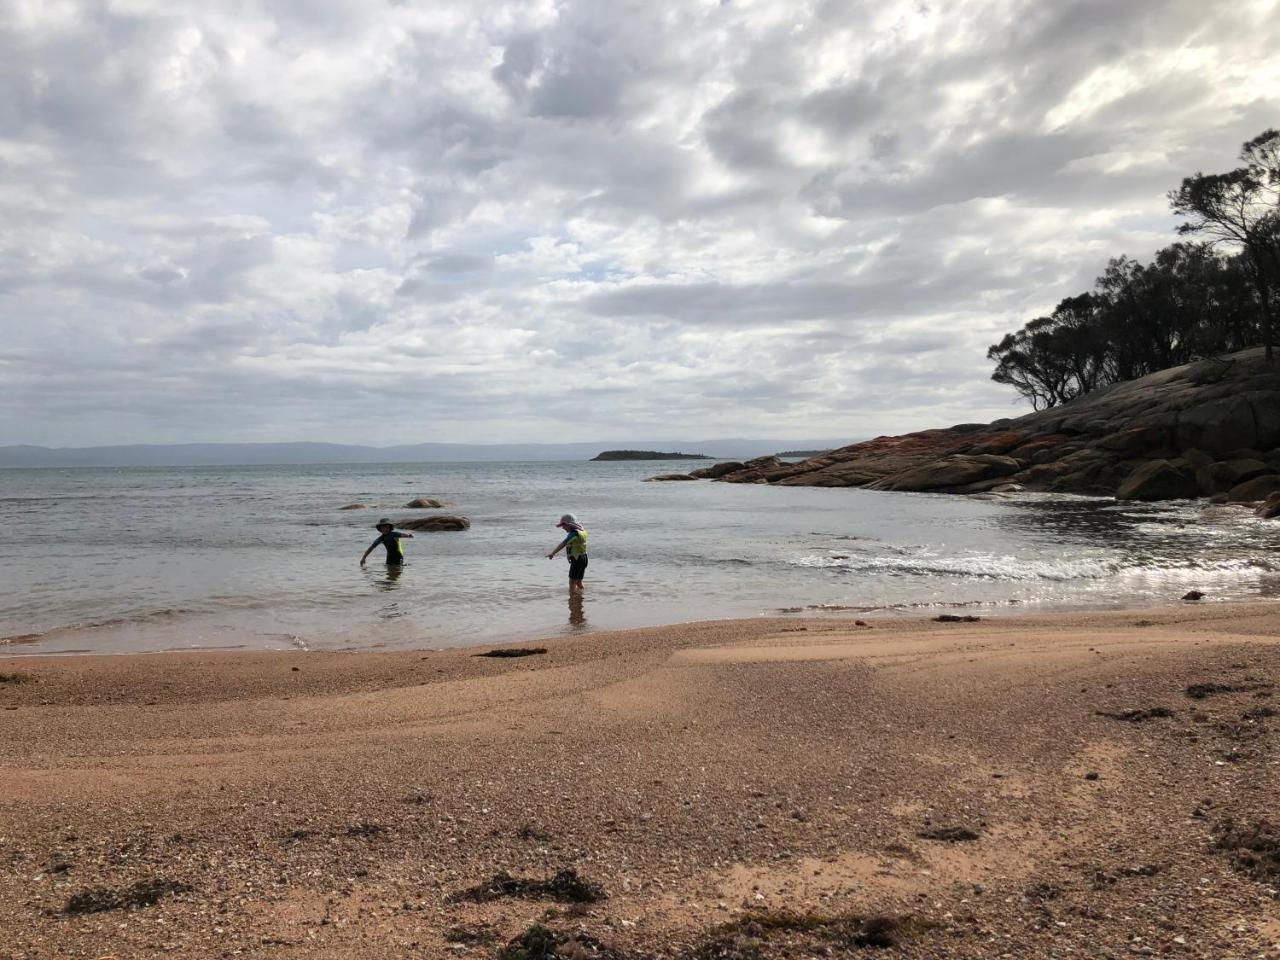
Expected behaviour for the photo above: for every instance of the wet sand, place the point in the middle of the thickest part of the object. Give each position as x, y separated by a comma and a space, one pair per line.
764, 788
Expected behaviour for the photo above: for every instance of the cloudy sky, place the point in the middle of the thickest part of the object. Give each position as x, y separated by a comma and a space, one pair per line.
398, 220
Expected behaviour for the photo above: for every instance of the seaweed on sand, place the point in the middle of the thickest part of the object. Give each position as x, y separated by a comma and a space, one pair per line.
144, 893
1138, 716
1254, 848
746, 939
542, 943
513, 652
566, 887
949, 834
1199, 691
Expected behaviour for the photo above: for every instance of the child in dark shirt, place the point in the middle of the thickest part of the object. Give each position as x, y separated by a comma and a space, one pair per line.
390, 538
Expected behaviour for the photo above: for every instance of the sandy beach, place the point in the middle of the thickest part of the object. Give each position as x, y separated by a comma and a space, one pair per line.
1059, 785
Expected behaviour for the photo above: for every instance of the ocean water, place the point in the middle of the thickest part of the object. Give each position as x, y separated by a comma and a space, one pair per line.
126, 560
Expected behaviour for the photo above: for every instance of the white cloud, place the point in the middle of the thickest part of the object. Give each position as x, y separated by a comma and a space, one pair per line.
331, 219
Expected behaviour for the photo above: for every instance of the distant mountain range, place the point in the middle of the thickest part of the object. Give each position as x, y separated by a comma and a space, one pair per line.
248, 454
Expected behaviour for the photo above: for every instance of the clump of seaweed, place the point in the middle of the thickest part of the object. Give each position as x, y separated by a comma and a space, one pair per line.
1138, 716
513, 652
566, 887
144, 893
1199, 691
366, 829
539, 942
747, 938
16, 678
1254, 848
949, 834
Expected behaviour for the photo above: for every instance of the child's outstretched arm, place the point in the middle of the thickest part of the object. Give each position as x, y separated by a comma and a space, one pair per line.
563, 543
369, 551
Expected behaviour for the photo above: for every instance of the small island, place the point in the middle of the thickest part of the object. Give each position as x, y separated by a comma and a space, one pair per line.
802, 453
647, 455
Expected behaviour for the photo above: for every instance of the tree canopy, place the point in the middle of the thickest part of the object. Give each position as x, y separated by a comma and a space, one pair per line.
1194, 299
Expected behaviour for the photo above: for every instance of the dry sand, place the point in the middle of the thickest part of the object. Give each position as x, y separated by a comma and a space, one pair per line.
742, 789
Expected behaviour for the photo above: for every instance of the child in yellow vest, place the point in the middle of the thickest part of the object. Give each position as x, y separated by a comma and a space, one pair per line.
575, 546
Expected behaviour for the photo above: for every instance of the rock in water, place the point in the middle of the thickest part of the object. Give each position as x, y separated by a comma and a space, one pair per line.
432, 524
669, 476
1193, 595
355, 506
1269, 509
424, 503
1251, 491
1157, 480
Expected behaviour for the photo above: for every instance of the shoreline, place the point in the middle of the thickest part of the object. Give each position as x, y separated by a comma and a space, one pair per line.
15, 647
712, 778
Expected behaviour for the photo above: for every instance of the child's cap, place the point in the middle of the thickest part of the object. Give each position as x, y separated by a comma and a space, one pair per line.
384, 522
568, 520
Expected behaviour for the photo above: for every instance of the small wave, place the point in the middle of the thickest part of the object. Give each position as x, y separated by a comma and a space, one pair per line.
984, 567
992, 567
21, 638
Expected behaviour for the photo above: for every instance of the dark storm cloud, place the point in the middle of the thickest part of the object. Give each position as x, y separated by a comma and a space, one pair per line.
284, 219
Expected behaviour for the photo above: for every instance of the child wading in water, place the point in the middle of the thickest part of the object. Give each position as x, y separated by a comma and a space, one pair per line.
575, 546
390, 538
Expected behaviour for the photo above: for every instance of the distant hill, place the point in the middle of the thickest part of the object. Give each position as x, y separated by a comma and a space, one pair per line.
252, 454
802, 453
648, 455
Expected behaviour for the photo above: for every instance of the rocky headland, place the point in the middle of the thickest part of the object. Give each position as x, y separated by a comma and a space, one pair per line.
1205, 429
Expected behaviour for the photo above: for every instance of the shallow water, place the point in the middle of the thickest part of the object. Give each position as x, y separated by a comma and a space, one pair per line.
117, 560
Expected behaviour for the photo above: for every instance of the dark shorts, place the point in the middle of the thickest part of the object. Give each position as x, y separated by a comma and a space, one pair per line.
577, 567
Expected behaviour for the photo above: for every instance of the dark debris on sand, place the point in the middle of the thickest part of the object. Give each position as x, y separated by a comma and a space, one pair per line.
1199, 691
954, 618
760, 935
513, 652
539, 942
144, 893
1137, 716
949, 834
1254, 848
566, 887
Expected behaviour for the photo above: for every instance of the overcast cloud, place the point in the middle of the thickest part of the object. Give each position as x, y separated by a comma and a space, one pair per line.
488, 221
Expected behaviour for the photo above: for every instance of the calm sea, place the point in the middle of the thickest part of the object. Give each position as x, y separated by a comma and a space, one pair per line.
119, 560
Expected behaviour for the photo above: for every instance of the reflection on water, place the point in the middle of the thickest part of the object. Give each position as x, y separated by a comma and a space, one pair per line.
577, 617
392, 579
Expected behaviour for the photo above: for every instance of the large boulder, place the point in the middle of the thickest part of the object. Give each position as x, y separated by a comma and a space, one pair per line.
1135, 440
1157, 480
1269, 509
1251, 491
717, 471
1221, 477
960, 470
1218, 426
1197, 458
997, 443
433, 524
759, 470
1266, 414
